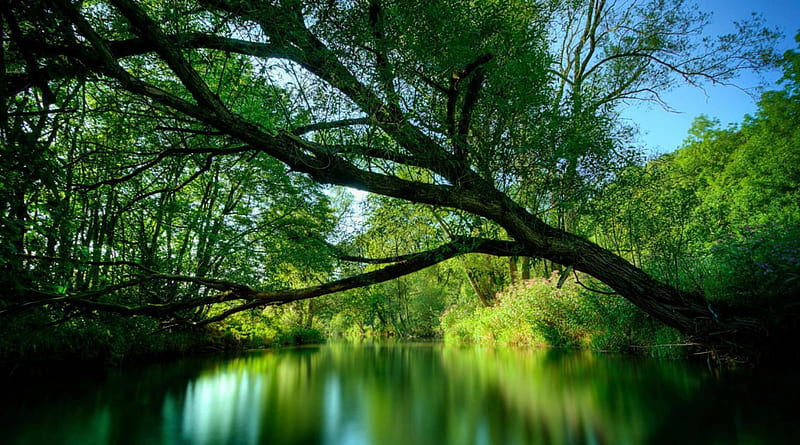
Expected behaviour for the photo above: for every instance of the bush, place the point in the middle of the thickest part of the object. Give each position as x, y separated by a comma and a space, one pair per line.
259, 328
105, 338
533, 313
298, 335
538, 313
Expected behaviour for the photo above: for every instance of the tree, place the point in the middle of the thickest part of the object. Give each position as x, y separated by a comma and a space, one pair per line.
453, 105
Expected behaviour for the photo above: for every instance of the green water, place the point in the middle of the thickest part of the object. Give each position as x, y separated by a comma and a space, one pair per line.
410, 394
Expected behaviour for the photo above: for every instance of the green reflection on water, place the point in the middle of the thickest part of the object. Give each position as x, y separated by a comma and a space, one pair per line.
405, 394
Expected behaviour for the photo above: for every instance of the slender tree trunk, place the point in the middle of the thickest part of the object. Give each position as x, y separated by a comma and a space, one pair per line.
310, 314
512, 269
483, 294
526, 268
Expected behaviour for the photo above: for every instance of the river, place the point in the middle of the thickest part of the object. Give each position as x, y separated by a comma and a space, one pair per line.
405, 393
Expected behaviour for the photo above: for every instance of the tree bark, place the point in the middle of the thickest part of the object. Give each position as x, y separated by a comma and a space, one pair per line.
526, 268
483, 294
513, 271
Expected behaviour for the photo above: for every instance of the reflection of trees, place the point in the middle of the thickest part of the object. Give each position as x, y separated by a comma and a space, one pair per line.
420, 394
565, 398
271, 397
407, 394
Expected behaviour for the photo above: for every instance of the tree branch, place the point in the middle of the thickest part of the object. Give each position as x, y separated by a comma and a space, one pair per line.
173, 152
383, 67
121, 49
231, 291
328, 125
36, 74
460, 142
147, 29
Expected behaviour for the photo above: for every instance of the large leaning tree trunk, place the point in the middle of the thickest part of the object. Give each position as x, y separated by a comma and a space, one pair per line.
445, 104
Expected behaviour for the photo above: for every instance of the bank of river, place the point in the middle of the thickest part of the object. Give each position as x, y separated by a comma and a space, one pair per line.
405, 393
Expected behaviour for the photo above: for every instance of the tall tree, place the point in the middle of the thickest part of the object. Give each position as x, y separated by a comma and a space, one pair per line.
456, 105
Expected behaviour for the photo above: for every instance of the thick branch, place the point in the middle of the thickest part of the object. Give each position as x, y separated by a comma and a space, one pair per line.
306, 50
120, 49
231, 291
453, 92
313, 55
383, 67
412, 263
470, 100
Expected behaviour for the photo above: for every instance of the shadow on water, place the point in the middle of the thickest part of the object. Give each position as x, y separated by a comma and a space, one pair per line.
404, 393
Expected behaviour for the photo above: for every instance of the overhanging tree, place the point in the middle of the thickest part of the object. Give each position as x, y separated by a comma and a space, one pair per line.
465, 106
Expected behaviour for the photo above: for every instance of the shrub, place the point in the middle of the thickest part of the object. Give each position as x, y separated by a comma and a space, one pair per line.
538, 313
299, 335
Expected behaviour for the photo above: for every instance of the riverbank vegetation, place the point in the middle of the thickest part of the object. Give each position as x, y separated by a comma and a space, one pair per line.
179, 176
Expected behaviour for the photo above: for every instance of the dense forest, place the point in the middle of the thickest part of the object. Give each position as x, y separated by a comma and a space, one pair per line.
182, 175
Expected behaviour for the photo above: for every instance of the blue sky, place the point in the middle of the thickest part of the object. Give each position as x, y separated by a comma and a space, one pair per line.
663, 131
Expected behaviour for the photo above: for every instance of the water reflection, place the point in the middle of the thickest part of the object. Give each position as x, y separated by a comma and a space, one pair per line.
215, 407
401, 394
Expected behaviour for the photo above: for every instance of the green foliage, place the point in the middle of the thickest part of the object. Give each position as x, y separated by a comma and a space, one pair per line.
622, 327
722, 213
760, 266
405, 307
645, 216
270, 327
302, 336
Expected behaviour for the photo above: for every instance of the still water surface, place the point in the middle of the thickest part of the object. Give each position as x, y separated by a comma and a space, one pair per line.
409, 394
